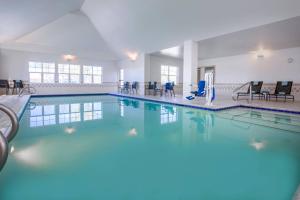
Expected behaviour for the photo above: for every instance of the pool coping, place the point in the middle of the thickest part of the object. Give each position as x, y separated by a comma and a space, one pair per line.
171, 103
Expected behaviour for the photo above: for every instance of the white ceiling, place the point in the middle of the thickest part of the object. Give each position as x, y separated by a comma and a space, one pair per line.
278, 35
19, 17
147, 26
73, 33
135, 25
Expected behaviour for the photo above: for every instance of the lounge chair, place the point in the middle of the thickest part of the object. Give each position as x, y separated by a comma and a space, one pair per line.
5, 84
283, 90
256, 90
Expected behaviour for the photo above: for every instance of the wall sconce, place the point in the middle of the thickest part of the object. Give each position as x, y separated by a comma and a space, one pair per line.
69, 57
260, 54
132, 56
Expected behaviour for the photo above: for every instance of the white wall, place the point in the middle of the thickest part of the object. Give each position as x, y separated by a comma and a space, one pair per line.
157, 61
243, 68
14, 65
135, 70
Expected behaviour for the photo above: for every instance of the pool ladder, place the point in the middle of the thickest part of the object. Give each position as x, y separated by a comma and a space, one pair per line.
239, 88
6, 138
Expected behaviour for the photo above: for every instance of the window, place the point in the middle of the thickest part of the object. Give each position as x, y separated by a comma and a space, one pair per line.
42, 116
121, 77
68, 73
41, 72
92, 74
92, 111
168, 74
168, 114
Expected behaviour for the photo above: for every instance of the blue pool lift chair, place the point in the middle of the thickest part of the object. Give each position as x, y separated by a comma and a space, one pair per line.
200, 92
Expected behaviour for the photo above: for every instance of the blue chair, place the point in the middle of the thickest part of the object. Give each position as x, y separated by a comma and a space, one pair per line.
201, 89
169, 87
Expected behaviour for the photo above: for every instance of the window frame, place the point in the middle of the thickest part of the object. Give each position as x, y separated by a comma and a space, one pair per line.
41, 71
67, 72
92, 74
167, 73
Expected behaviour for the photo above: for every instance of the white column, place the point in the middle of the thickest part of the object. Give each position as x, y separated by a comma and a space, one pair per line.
190, 64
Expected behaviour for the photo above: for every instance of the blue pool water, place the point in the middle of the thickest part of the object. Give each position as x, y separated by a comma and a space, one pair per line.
105, 147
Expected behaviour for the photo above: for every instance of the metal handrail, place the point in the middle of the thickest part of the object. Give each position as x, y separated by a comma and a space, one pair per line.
3, 150
14, 122
237, 89
28, 89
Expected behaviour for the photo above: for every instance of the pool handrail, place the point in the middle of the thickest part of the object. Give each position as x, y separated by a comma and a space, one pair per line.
3, 150
27, 90
237, 89
14, 122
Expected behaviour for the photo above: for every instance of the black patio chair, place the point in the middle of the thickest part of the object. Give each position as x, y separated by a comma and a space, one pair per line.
283, 90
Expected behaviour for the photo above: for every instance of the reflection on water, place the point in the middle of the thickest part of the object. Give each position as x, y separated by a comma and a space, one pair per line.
44, 115
168, 114
258, 145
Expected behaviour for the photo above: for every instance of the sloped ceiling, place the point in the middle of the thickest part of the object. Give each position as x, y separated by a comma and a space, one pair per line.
278, 35
19, 17
72, 33
109, 28
148, 26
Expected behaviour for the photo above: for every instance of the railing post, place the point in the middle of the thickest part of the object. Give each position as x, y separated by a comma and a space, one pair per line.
250, 92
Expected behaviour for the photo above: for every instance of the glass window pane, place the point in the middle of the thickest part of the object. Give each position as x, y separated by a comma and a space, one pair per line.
48, 67
48, 78
164, 69
74, 69
97, 70
172, 79
121, 74
35, 77
63, 78
35, 67
88, 70
97, 79
74, 79
87, 79
164, 79
172, 70
63, 68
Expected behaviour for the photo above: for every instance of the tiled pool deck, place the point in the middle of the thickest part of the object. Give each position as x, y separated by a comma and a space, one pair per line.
224, 102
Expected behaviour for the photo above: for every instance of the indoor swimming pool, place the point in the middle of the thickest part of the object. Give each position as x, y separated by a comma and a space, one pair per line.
109, 147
